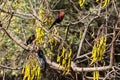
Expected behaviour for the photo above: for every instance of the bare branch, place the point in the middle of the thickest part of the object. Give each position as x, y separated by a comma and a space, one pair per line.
83, 36
11, 36
11, 68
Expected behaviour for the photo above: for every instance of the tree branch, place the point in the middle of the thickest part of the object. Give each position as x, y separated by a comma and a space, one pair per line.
11, 36
83, 37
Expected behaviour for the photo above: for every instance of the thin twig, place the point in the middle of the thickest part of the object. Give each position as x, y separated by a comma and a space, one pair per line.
75, 7
83, 37
11, 36
11, 68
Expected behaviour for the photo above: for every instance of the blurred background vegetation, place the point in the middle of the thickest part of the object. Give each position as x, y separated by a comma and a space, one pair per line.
20, 17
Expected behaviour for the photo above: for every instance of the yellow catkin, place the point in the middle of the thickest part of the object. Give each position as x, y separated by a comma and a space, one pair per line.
98, 50
104, 3
32, 70
40, 35
63, 52
95, 75
81, 2
58, 59
65, 59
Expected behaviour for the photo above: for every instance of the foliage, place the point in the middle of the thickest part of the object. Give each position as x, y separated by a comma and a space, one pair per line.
32, 70
96, 74
40, 35
61, 44
98, 49
64, 60
104, 2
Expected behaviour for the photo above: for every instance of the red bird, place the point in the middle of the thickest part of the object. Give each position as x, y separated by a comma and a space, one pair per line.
58, 19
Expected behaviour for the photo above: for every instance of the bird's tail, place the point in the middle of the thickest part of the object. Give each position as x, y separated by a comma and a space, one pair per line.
52, 25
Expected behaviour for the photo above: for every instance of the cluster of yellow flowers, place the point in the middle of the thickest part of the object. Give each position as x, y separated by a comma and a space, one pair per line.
52, 40
39, 31
104, 2
32, 70
40, 35
97, 54
64, 60
98, 50
95, 75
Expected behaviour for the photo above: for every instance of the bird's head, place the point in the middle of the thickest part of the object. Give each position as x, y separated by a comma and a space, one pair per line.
61, 15
40, 53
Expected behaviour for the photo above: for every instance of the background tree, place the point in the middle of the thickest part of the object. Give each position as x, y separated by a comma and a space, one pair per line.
84, 46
